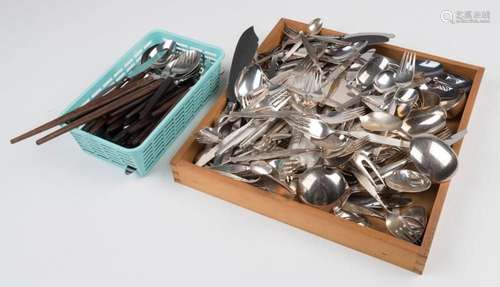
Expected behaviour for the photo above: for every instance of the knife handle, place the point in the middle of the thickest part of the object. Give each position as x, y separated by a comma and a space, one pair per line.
151, 102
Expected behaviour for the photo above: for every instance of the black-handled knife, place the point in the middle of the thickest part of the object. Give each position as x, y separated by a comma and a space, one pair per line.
243, 55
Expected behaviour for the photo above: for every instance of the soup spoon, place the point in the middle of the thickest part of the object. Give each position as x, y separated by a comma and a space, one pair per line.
323, 188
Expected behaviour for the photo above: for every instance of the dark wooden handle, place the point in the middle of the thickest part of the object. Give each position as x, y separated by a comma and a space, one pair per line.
142, 92
170, 101
151, 102
90, 106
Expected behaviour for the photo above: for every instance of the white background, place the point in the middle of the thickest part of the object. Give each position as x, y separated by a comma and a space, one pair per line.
67, 219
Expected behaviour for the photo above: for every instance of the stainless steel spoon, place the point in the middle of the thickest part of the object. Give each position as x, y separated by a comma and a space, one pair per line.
322, 187
346, 52
366, 74
433, 158
251, 80
384, 81
405, 99
406, 180
315, 26
165, 48
426, 121
380, 121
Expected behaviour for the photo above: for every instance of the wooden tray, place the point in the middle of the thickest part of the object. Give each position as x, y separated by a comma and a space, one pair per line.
373, 241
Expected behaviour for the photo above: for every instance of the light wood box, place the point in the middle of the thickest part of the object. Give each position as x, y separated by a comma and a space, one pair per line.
372, 241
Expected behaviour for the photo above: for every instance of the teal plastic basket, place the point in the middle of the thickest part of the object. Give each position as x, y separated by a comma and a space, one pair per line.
142, 158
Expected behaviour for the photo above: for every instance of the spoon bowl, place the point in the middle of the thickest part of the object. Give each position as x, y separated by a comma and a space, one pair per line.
322, 187
415, 213
366, 74
427, 121
405, 180
165, 47
380, 122
405, 99
315, 26
346, 52
185, 64
251, 79
385, 81
433, 158
407, 224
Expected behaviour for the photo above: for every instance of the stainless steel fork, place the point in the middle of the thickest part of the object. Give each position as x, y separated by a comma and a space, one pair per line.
338, 118
406, 73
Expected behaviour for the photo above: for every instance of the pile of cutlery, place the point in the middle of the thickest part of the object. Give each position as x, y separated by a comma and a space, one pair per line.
338, 126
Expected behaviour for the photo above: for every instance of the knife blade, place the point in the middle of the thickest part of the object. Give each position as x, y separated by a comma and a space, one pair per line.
243, 55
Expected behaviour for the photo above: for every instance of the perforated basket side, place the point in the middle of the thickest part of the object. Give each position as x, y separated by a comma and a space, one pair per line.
179, 118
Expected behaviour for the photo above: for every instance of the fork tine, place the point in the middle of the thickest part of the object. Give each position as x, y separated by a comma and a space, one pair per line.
413, 63
408, 60
403, 61
444, 134
351, 117
351, 110
355, 110
353, 147
291, 120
